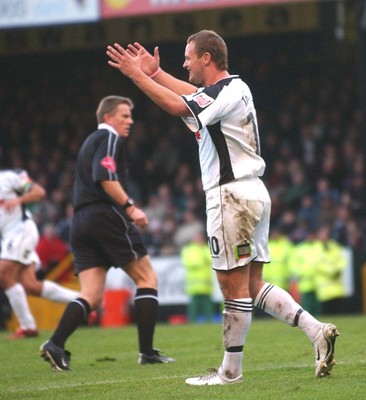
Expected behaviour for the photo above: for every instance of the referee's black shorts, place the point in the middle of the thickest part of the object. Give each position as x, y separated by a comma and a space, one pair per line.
103, 235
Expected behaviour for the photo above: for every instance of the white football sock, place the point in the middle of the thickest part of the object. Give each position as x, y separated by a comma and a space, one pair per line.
280, 305
237, 320
309, 325
54, 292
19, 303
232, 365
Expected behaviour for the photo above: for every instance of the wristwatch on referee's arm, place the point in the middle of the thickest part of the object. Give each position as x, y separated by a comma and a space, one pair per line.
129, 203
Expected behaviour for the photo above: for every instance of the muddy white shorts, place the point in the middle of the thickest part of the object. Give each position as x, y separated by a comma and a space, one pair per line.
19, 243
238, 216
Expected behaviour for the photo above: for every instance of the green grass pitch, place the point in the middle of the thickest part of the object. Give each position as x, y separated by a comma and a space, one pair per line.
278, 364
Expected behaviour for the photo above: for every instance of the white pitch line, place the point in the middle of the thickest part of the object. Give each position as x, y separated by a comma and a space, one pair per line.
183, 377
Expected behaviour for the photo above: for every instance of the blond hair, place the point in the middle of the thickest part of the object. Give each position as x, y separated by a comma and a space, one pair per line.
109, 104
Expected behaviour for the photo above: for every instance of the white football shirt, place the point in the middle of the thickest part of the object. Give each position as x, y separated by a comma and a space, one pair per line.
12, 184
225, 124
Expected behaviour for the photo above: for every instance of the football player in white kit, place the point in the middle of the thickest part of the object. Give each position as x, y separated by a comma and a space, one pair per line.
18, 258
221, 113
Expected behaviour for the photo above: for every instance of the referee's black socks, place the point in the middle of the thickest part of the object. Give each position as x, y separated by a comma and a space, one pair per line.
146, 313
75, 314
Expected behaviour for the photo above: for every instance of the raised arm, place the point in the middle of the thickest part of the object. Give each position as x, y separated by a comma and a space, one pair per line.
131, 66
150, 65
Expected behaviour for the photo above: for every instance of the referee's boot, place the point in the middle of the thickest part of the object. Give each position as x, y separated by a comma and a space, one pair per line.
154, 358
54, 355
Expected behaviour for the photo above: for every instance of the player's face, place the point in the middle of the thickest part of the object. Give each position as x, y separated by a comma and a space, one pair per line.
121, 119
194, 65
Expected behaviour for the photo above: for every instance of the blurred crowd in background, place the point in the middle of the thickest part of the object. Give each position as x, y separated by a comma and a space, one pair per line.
305, 92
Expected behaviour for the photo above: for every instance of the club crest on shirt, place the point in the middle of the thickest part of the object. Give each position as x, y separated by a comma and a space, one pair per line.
203, 100
109, 164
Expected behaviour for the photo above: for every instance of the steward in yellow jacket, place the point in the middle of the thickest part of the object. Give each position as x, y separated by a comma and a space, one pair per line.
304, 269
196, 259
278, 271
329, 285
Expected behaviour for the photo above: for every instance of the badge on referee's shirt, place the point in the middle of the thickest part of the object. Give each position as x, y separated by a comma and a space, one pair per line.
109, 163
242, 251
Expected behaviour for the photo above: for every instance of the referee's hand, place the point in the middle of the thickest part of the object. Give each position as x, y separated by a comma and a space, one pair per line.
137, 216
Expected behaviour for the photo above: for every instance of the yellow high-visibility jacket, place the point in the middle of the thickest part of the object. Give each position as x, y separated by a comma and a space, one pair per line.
304, 266
277, 271
329, 276
199, 276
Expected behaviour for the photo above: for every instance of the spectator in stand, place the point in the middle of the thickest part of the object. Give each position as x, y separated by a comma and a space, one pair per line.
64, 224
297, 188
307, 211
309, 146
166, 158
324, 191
51, 248
51, 210
184, 174
300, 232
326, 199
358, 195
187, 199
187, 228
345, 230
288, 223
168, 228
151, 238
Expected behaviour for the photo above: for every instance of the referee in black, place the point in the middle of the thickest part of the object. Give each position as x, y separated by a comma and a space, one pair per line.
104, 233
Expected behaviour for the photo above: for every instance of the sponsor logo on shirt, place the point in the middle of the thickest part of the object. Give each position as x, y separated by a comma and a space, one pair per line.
109, 164
198, 135
203, 100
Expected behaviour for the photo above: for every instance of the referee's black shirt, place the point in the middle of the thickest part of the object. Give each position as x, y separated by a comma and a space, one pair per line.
100, 158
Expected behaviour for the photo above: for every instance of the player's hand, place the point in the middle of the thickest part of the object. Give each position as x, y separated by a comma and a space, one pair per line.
149, 63
137, 216
121, 59
9, 204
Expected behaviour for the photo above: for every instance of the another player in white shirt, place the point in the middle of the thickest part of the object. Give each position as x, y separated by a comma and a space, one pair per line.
222, 115
18, 258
